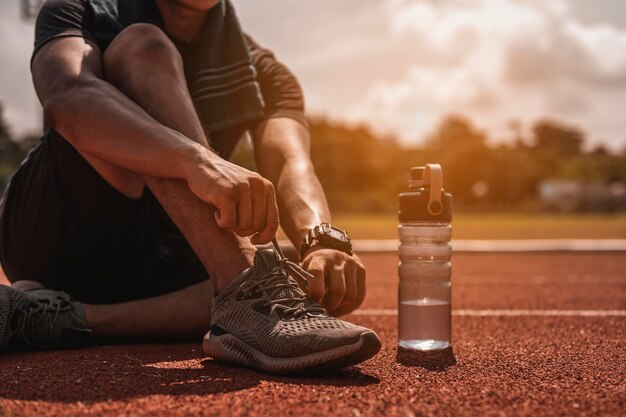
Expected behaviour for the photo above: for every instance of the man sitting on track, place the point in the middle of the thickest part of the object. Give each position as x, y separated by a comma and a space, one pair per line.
129, 203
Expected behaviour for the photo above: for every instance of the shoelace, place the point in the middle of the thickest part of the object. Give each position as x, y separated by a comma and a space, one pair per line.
25, 331
298, 273
283, 276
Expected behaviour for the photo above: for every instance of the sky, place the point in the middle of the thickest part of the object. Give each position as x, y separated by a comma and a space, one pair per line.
403, 65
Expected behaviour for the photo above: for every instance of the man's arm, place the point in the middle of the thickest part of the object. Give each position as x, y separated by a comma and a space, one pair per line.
282, 153
100, 121
94, 116
281, 144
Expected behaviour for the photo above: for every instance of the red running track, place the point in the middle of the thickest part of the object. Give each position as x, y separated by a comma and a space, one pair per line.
505, 365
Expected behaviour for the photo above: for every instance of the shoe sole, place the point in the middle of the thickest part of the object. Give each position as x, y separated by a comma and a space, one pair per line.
227, 348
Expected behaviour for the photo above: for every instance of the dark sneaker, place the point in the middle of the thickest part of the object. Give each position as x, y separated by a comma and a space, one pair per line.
40, 319
264, 320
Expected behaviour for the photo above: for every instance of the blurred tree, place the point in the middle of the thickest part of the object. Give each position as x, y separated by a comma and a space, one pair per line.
362, 171
4, 130
556, 138
599, 151
456, 132
12, 151
465, 159
11, 154
553, 146
593, 167
357, 168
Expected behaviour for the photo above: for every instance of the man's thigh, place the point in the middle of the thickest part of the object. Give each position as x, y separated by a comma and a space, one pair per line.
68, 228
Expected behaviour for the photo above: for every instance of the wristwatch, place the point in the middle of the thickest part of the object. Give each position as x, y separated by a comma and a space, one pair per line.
327, 236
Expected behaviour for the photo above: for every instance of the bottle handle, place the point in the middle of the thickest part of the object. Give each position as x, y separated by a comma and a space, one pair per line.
433, 175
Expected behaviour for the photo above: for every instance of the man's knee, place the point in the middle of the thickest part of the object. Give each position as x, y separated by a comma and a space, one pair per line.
140, 45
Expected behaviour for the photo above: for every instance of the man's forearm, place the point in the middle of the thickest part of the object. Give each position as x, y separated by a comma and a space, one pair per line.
99, 120
301, 201
282, 154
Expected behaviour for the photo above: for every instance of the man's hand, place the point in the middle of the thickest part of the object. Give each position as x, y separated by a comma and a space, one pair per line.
245, 201
282, 150
338, 281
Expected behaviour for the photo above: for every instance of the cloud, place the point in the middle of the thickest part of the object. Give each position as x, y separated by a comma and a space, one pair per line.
21, 108
402, 65
496, 60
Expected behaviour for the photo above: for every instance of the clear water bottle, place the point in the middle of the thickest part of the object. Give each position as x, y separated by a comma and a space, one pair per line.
424, 293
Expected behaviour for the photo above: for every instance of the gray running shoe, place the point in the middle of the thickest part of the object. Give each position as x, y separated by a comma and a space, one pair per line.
40, 319
264, 320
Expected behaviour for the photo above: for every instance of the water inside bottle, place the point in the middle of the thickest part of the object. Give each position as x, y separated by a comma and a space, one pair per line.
424, 324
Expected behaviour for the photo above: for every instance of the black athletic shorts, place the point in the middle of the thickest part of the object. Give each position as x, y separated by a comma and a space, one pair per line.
63, 225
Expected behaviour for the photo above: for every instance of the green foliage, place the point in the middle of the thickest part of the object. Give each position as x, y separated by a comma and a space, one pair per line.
355, 166
361, 171
555, 139
12, 152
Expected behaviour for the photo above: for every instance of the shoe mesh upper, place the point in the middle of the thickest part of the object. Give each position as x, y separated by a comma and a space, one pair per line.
41, 319
11, 302
308, 330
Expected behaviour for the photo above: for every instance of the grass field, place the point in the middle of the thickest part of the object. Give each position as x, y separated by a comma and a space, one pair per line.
498, 226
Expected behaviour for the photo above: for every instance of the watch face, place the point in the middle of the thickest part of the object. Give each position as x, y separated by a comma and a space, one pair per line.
329, 237
335, 237
339, 235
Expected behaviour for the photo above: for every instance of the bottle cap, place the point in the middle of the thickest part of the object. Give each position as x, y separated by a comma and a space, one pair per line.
427, 200
417, 177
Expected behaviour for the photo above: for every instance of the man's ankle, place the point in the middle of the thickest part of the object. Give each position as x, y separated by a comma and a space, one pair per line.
231, 267
220, 284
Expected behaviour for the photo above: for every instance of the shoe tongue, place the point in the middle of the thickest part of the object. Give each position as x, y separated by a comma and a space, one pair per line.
265, 261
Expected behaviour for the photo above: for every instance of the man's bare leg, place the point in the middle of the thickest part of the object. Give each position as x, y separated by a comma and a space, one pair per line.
181, 315
144, 64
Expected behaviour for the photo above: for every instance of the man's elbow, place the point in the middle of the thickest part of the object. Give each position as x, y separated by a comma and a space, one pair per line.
53, 110
64, 105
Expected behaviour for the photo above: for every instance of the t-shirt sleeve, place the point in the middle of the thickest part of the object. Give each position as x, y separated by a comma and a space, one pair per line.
60, 18
280, 88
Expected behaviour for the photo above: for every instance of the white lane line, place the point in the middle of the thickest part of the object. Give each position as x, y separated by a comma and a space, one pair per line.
500, 245
507, 313
522, 279
503, 245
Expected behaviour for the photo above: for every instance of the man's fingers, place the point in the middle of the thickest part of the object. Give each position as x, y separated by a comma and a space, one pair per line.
271, 218
316, 284
259, 205
226, 214
338, 278
244, 211
336, 288
349, 307
351, 283
245, 201
361, 284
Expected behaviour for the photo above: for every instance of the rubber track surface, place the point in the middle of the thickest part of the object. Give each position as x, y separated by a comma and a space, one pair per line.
500, 366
